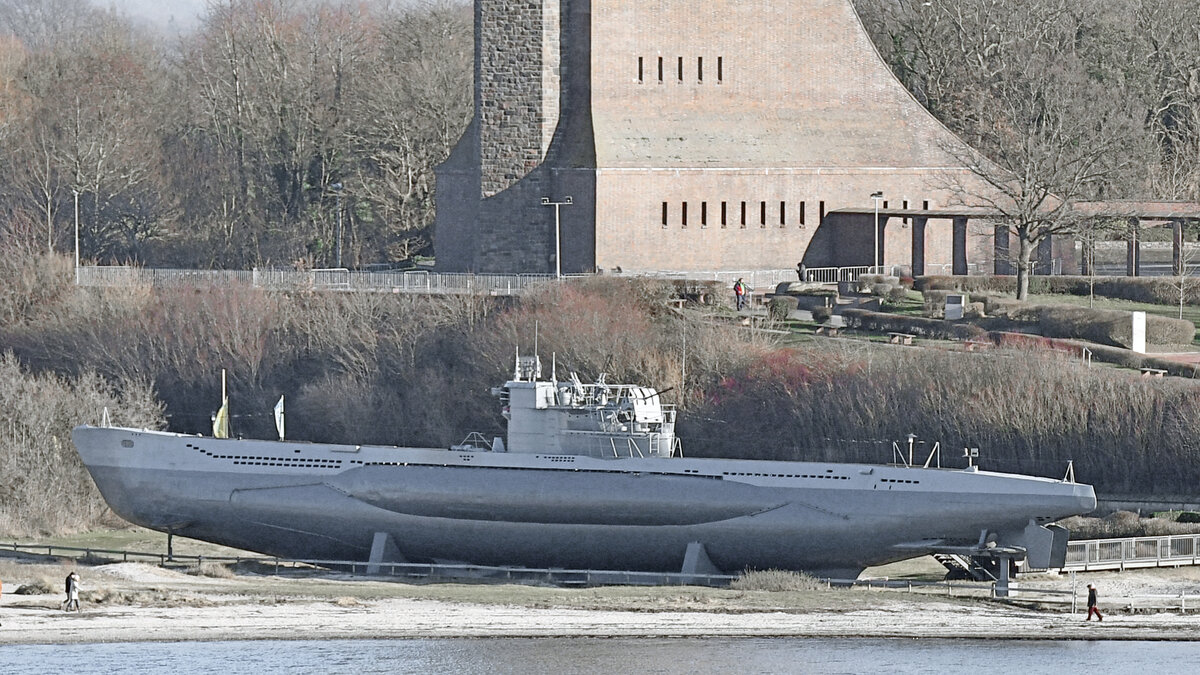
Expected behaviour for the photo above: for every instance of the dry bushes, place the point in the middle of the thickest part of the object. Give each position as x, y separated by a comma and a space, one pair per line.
44, 487
209, 569
1029, 411
30, 281
1125, 524
1107, 326
776, 581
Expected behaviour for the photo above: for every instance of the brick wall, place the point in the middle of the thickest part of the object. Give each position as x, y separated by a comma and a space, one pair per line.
757, 101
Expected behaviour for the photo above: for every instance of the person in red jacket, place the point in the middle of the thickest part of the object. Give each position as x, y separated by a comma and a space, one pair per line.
1092, 608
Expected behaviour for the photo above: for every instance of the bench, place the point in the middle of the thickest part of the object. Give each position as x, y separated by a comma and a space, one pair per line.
901, 338
1152, 372
677, 303
827, 329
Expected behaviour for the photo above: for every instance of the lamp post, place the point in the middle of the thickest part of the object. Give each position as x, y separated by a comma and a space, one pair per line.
557, 232
337, 191
875, 261
76, 236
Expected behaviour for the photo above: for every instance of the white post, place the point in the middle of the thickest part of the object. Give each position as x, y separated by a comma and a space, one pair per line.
557, 233
76, 236
875, 256
337, 191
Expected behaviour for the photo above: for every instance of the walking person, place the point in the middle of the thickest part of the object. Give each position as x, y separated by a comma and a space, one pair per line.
739, 294
801, 270
1092, 608
72, 592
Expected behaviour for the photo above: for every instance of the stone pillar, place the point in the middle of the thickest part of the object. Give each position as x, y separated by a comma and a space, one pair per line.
1177, 247
1132, 254
517, 87
960, 245
918, 246
1001, 256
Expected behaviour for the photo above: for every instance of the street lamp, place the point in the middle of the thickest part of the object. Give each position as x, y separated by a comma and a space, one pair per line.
337, 191
875, 261
557, 232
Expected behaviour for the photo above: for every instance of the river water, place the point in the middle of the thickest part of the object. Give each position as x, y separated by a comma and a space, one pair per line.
494, 656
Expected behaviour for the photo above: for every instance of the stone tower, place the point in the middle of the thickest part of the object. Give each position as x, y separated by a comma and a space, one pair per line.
725, 134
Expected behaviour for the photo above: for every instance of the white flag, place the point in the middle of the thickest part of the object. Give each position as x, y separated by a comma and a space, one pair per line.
279, 417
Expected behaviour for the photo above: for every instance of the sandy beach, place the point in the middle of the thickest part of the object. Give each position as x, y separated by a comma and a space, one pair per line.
125, 602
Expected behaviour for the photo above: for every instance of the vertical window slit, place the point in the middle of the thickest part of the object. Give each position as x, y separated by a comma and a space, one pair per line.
699, 68
664, 214
723, 221
683, 217
640, 64
681, 69
801, 213
782, 213
703, 214
720, 68
743, 214
660, 69
762, 214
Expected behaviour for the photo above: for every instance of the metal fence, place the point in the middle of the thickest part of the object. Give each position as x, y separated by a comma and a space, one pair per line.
1120, 554
335, 279
564, 577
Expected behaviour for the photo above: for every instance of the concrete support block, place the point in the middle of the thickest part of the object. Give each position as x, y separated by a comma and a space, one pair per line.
383, 550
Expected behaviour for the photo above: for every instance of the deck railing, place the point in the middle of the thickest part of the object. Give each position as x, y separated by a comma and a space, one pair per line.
1128, 553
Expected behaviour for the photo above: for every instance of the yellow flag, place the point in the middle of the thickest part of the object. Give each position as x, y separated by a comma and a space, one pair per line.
221, 421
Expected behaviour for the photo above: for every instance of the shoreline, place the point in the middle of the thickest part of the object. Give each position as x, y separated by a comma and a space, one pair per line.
133, 602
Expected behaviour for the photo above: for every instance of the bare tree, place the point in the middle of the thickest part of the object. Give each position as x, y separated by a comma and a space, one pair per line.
1043, 131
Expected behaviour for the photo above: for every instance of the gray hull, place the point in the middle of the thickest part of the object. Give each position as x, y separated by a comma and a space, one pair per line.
328, 502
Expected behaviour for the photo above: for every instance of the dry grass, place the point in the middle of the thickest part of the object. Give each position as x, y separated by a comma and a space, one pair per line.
1125, 524
208, 569
776, 581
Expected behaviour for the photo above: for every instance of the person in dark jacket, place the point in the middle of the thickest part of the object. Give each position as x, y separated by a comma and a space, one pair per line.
1092, 608
72, 592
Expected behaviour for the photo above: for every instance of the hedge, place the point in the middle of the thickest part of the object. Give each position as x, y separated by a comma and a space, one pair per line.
896, 323
1103, 326
967, 284
1156, 290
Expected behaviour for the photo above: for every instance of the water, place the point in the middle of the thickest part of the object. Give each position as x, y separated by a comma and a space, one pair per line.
494, 656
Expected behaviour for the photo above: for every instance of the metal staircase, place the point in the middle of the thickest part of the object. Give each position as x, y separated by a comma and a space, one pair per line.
962, 568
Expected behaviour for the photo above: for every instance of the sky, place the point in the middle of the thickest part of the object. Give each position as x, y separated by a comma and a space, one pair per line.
166, 14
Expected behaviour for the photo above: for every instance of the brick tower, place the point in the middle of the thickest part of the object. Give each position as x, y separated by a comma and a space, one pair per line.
691, 136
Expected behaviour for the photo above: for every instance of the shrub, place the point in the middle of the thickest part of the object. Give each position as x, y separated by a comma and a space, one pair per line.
780, 307
822, 314
35, 587
897, 294
933, 328
209, 569
935, 300
1110, 327
967, 284
995, 305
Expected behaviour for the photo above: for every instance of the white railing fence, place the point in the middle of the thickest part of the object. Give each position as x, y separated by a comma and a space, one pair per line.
1120, 554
